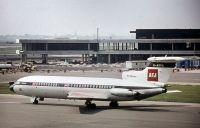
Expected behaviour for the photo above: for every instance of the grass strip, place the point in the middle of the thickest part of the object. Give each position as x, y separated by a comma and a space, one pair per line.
189, 94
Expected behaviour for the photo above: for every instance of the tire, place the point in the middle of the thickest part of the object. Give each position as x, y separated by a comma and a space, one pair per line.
114, 104
41, 98
93, 106
35, 102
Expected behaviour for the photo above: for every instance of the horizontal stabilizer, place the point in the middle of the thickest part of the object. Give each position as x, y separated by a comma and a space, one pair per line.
173, 91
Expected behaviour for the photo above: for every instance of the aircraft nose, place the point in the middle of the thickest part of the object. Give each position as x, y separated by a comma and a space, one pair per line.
12, 87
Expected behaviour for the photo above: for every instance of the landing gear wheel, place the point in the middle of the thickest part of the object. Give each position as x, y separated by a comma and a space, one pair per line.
88, 102
114, 104
90, 105
93, 106
35, 101
41, 99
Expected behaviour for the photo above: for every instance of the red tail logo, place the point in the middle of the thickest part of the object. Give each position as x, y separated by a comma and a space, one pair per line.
152, 75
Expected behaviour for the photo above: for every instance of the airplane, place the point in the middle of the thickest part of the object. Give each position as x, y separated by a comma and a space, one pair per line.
134, 85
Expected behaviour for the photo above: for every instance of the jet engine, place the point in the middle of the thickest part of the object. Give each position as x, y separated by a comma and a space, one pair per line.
137, 94
122, 92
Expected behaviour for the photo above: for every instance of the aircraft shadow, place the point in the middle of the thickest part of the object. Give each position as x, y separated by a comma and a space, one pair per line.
85, 110
143, 108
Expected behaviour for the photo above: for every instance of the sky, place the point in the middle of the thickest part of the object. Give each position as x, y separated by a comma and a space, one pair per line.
83, 17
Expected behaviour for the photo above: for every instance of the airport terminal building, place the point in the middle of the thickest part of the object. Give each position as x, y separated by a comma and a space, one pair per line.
148, 42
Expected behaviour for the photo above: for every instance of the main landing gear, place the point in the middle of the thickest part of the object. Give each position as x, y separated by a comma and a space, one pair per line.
90, 105
114, 104
34, 100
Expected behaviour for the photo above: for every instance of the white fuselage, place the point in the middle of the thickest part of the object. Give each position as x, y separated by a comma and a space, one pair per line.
79, 87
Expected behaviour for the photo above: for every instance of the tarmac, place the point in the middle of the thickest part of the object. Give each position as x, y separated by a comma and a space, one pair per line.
17, 112
191, 77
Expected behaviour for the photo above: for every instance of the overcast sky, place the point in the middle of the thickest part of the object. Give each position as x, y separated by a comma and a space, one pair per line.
61, 17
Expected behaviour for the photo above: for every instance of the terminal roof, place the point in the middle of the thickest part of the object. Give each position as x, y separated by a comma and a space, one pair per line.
110, 41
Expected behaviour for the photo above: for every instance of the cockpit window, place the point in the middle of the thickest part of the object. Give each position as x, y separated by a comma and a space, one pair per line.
17, 82
22, 83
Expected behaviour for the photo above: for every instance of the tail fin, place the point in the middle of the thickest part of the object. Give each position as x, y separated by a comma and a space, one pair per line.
159, 70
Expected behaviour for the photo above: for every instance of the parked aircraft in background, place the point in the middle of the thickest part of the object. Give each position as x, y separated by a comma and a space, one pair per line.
134, 85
